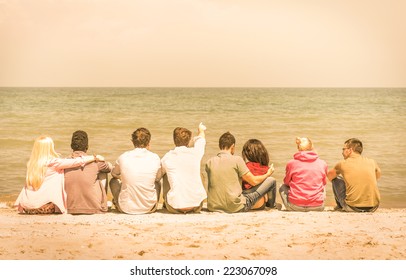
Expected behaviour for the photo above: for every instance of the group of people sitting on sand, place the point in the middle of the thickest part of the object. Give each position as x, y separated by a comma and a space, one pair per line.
79, 184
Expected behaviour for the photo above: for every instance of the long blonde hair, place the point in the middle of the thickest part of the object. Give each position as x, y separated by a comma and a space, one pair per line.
42, 151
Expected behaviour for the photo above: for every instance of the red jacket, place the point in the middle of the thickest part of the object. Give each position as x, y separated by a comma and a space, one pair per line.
256, 169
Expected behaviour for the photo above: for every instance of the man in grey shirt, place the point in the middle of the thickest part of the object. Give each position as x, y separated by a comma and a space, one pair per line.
225, 174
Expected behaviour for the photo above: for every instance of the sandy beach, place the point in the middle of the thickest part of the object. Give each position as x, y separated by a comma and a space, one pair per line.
257, 235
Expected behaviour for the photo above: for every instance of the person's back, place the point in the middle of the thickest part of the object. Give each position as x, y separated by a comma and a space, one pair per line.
181, 165
138, 171
135, 184
305, 178
354, 180
178, 162
85, 186
225, 174
359, 174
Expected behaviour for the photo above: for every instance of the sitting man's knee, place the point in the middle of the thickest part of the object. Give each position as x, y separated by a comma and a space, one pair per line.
102, 176
115, 183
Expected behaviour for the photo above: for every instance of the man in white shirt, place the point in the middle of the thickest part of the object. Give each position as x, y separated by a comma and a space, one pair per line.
181, 165
136, 177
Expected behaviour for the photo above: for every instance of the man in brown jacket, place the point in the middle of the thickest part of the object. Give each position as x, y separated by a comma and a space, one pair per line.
85, 186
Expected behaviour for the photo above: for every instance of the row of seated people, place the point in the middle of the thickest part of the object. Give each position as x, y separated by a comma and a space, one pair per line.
78, 184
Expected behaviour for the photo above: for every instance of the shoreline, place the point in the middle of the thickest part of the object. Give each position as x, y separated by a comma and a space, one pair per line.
9, 199
257, 235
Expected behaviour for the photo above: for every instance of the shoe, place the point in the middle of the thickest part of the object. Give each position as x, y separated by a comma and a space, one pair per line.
338, 208
270, 206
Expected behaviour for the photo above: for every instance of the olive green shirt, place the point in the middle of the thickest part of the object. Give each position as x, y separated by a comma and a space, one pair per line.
359, 174
224, 173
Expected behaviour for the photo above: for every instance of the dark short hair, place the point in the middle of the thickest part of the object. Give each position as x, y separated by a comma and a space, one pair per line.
181, 136
80, 141
254, 151
226, 141
141, 137
355, 144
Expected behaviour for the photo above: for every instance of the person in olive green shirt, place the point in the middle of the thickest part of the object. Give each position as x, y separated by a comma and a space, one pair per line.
225, 173
354, 180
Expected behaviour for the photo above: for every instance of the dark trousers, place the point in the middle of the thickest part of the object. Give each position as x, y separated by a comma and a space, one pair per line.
339, 190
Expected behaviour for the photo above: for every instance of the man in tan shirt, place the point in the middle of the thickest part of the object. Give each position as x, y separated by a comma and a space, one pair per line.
354, 180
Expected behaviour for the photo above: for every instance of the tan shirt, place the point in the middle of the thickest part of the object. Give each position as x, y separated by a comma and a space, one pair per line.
225, 173
360, 180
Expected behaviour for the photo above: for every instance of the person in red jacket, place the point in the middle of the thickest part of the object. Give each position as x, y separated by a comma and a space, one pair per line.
303, 187
256, 158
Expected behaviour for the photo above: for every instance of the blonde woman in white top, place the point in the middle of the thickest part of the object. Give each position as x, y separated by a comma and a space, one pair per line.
44, 191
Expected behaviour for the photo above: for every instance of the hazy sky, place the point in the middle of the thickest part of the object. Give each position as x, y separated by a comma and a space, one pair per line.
207, 43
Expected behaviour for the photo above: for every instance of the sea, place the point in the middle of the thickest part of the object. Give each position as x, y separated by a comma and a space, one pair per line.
276, 116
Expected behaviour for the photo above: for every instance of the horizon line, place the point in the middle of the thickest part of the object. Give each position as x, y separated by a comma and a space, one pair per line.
275, 87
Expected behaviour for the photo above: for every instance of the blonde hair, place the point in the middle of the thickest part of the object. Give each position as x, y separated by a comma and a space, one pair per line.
42, 151
304, 144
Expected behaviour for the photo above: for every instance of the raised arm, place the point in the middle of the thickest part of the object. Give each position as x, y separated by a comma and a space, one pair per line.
200, 140
201, 130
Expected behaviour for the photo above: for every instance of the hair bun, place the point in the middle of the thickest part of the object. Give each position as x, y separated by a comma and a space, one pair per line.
304, 144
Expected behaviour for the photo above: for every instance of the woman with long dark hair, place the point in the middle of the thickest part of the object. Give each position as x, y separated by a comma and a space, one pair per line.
256, 157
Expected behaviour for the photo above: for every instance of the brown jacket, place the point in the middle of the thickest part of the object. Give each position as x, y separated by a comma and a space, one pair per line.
85, 187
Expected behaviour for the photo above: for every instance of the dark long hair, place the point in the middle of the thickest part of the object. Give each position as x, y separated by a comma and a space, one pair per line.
254, 151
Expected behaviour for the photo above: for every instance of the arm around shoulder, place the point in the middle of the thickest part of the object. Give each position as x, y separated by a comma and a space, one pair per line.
256, 180
104, 166
64, 163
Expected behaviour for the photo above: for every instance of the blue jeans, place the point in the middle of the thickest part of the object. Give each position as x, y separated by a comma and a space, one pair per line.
268, 186
339, 190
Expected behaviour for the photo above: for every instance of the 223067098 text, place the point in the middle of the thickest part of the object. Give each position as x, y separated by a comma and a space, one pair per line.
256, 270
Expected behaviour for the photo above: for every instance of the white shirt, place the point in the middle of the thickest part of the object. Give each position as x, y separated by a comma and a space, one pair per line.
138, 170
182, 166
